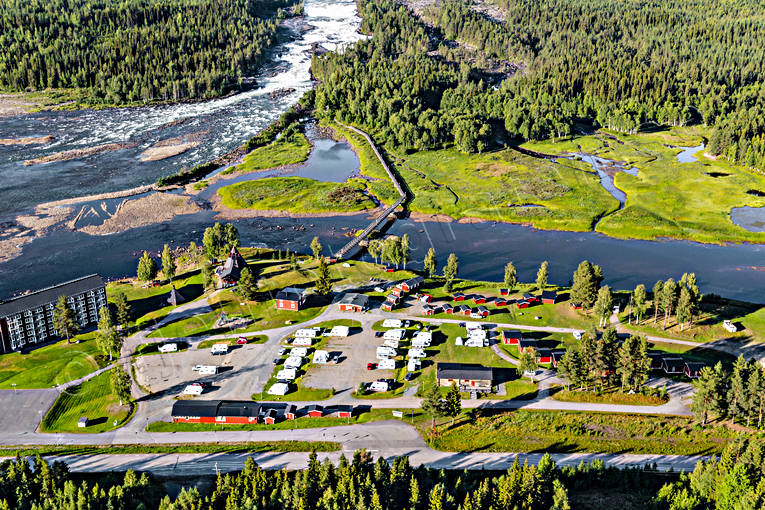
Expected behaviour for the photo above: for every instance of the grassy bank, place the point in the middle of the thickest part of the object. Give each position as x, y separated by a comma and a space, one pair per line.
92, 399
610, 396
297, 195
569, 432
287, 150
51, 365
242, 447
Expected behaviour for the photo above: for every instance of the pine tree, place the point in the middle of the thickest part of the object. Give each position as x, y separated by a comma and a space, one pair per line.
124, 312
605, 358
107, 338
433, 405
560, 496
737, 394
707, 399
147, 268
64, 319
584, 284
634, 364
316, 248
453, 402
208, 274
511, 279
430, 263
755, 394
247, 285
542, 275
323, 281
168, 263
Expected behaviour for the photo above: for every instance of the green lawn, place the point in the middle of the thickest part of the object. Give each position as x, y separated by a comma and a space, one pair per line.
297, 195
610, 396
53, 364
149, 304
668, 198
93, 399
241, 447
569, 432
287, 150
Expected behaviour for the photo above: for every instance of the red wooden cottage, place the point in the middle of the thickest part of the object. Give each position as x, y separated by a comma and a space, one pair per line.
429, 310
549, 297
397, 291
315, 411
447, 308
344, 411
412, 283
426, 298
458, 296
556, 356
290, 298
531, 298
393, 299
673, 365
215, 411
466, 310
520, 304
500, 302
527, 344
483, 311
544, 355
657, 360
353, 302
504, 292
479, 300
388, 306
511, 337
270, 417
290, 412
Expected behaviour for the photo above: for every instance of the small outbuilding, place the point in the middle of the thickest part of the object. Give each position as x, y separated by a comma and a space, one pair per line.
353, 302
290, 298
549, 297
315, 411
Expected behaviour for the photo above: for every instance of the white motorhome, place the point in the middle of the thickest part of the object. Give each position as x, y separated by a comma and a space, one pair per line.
413, 365
299, 351
193, 390
474, 342
473, 325
340, 331
384, 352
208, 370
220, 348
394, 334
378, 386
308, 332
165, 348
478, 333
303, 341
416, 353
422, 339
286, 374
321, 357
391, 343
387, 364
279, 389
293, 362
391, 323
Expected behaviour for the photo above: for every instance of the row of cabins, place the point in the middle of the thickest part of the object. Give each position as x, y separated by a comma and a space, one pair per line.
671, 365
527, 300
241, 412
399, 291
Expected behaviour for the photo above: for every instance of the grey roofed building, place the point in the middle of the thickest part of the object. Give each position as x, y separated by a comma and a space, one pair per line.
460, 371
243, 409
196, 408
175, 297
291, 293
28, 319
229, 272
354, 300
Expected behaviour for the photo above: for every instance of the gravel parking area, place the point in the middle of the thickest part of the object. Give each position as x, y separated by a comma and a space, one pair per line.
356, 351
243, 371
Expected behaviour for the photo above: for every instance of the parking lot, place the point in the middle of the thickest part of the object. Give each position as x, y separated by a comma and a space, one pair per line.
243, 371
356, 351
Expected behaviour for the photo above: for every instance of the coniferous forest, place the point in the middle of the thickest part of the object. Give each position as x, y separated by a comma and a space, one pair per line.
429, 78
735, 481
135, 50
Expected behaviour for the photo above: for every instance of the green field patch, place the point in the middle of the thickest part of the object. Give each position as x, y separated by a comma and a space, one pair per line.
611, 396
92, 399
287, 150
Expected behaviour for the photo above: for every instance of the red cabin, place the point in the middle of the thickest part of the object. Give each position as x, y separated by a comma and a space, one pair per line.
466, 311
692, 370
345, 411
458, 296
479, 300
522, 304
290, 299
511, 337
397, 291
429, 310
315, 411
556, 356
388, 306
412, 283
549, 297
270, 417
447, 308
483, 311
544, 355
504, 292
290, 412
500, 302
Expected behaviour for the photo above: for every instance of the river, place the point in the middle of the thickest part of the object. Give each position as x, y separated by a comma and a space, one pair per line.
483, 249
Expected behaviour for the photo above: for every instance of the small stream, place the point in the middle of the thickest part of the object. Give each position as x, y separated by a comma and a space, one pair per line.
688, 154
606, 169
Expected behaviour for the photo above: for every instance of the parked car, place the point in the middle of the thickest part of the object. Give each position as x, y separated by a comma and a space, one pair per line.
379, 334
407, 324
379, 289
371, 366
409, 376
335, 359
729, 327
461, 324
196, 368
282, 350
241, 340
276, 361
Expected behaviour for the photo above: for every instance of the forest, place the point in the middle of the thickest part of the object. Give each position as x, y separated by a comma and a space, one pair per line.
119, 52
736, 480
626, 66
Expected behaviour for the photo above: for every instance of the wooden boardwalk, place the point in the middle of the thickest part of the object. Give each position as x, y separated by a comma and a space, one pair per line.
386, 213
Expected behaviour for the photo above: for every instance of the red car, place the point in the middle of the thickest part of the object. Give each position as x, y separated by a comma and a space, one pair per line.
241, 340
371, 366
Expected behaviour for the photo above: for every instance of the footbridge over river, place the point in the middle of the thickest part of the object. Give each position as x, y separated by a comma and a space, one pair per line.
387, 212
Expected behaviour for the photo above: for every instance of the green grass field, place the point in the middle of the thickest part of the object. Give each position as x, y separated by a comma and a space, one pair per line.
297, 195
569, 432
610, 396
284, 151
53, 364
93, 399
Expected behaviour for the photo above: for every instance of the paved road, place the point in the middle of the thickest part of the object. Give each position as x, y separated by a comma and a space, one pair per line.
210, 464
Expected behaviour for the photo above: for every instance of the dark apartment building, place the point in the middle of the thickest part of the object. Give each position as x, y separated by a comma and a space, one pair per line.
27, 320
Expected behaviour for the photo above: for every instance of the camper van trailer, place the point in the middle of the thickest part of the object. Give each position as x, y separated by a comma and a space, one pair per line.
387, 364
221, 348
165, 348
391, 323
385, 352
